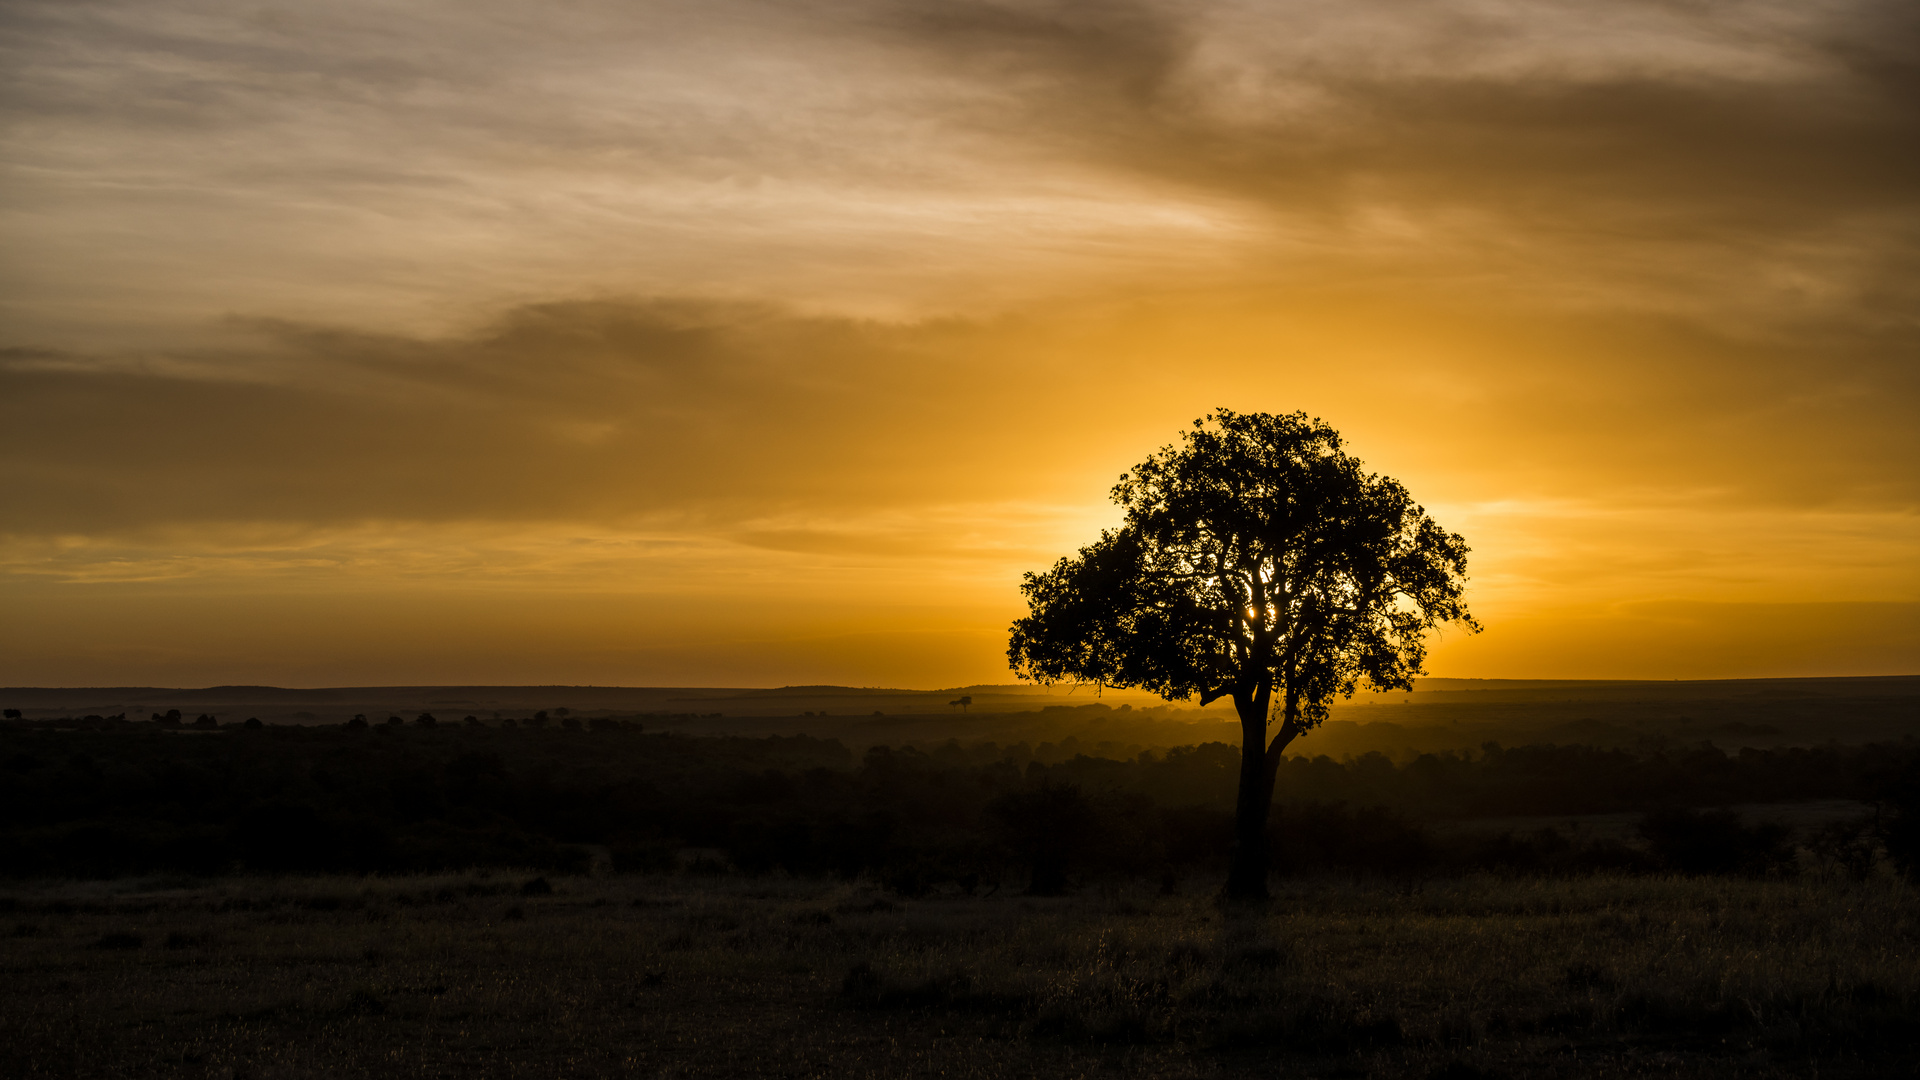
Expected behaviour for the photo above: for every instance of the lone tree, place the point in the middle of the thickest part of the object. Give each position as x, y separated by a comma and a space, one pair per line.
1258, 562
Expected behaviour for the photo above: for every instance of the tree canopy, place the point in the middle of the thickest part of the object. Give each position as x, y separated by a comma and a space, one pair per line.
1257, 557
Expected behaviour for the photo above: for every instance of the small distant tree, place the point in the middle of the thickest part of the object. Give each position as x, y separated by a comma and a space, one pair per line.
1258, 562
426, 720
963, 702
14, 714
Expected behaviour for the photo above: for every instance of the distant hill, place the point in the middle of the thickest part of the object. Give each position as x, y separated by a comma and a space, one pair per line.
1439, 714
276, 704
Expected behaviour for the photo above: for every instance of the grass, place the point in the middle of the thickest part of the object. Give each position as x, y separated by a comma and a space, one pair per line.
478, 975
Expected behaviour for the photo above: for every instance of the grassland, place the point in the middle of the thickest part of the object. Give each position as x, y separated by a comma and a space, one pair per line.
675, 975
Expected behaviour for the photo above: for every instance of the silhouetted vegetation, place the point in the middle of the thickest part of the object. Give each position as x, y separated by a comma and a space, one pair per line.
1029, 910
1259, 563
1898, 820
410, 798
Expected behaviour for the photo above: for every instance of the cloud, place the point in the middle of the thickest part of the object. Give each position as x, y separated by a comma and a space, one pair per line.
874, 298
745, 419
408, 169
719, 418
1620, 149
1644, 107
1693, 640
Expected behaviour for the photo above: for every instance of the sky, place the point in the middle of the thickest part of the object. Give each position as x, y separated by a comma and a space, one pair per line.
759, 343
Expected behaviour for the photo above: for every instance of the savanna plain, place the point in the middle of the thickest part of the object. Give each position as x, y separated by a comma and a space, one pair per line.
598, 898
489, 976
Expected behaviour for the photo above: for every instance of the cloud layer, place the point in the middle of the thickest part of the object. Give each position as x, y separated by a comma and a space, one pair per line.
846, 313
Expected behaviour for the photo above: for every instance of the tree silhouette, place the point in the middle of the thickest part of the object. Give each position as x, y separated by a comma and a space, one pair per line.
1258, 562
963, 702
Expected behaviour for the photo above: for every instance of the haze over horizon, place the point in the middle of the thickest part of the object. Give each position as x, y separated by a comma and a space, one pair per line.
747, 344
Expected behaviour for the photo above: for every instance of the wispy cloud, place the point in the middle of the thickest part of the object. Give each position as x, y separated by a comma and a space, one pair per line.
471, 293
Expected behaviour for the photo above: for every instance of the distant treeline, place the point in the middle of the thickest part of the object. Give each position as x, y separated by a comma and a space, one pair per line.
425, 795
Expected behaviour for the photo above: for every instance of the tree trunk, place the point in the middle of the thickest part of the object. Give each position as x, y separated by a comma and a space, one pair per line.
1259, 766
1247, 877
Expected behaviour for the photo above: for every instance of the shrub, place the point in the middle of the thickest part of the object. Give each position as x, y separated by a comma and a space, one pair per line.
1715, 842
1046, 825
1375, 840
1851, 846
644, 858
1899, 820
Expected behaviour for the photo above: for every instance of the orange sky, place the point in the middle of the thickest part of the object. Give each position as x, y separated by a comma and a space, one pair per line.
763, 343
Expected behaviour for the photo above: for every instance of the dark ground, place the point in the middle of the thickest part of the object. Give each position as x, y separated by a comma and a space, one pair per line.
484, 975
797, 906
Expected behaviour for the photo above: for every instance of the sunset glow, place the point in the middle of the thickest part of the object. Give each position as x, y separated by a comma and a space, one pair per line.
745, 344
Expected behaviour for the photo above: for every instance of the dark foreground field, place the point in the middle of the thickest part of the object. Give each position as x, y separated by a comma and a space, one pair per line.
492, 975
